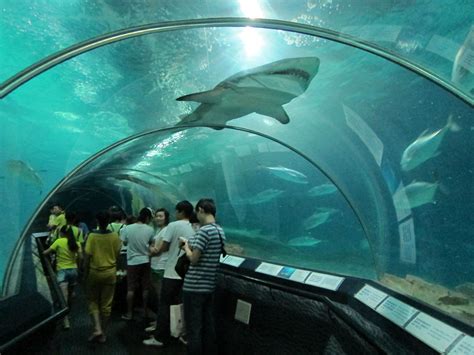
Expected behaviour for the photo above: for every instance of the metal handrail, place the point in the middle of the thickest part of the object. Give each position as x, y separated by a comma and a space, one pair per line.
64, 309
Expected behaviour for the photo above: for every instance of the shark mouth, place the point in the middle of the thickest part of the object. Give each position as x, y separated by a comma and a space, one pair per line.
294, 72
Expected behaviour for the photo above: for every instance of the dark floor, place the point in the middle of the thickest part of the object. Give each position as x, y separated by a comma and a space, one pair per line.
123, 337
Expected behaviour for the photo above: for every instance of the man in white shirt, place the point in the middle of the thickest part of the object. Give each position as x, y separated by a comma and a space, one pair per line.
172, 283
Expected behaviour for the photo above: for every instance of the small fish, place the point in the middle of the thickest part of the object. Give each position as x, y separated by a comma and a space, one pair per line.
25, 172
426, 146
265, 196
415, 194
304, 242
319, 217
321, 190
288, 174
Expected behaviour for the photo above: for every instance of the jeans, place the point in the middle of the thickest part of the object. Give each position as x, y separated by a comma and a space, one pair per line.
200, 322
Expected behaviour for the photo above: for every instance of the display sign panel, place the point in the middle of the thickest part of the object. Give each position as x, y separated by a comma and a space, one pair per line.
397, 311
329, 282
370, 296
232, 260
269, 269
433, 332
464, 347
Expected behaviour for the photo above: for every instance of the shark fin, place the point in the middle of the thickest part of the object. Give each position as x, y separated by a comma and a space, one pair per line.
204, 97
278, 113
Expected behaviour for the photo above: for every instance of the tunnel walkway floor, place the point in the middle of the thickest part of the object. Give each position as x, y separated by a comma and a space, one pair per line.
123, 337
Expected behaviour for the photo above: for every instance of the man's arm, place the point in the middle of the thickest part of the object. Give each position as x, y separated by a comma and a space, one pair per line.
192, 254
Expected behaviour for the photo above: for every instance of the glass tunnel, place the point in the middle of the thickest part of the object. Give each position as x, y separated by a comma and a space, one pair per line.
334, 136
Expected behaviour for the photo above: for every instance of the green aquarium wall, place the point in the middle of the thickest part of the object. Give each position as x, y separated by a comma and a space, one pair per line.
333, 135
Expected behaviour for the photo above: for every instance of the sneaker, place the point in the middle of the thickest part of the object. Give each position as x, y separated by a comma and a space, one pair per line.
152, 342
183, 340
150, 329
126, 317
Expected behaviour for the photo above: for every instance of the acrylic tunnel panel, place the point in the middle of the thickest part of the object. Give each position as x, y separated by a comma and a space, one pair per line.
384, 167
420, 31
275, 204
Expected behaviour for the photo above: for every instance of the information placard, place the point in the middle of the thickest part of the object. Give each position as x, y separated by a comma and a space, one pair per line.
397, 311
329, 282
370, 296
464, 347
286, 272
300, 275
433, 332
269, 269
232, 260
407, 241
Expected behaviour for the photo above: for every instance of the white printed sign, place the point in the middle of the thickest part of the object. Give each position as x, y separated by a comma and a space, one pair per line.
329, 282
365, 133
464, 347
370, 296
233, 260
433, 332
397, 311
407, 242
269, 269
401, 203
299, 275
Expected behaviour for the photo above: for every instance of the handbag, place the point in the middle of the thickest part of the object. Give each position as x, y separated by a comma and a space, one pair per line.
182, 265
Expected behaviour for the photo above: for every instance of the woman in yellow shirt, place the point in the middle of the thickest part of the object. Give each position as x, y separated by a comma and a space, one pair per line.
67, 258
101, 251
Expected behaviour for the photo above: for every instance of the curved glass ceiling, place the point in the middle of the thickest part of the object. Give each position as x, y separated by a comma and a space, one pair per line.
372, 173
420, 31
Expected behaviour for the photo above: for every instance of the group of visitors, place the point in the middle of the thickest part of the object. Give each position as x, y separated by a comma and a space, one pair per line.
153, 245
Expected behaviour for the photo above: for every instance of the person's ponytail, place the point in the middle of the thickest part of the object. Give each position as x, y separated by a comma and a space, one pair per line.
71, 240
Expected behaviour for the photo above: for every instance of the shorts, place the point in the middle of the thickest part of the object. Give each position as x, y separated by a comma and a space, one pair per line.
68, 276
138, 274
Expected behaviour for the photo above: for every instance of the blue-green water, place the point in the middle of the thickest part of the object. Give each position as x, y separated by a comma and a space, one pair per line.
59, 119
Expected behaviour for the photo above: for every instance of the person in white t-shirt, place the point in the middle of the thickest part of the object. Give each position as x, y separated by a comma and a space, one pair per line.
138, 236
158, 263
171, 284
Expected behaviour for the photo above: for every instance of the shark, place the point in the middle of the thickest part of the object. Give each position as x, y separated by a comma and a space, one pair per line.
264, 90
26, 173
